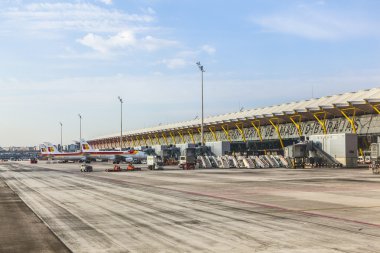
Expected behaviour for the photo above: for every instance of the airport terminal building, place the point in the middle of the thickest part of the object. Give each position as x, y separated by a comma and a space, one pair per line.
268, 128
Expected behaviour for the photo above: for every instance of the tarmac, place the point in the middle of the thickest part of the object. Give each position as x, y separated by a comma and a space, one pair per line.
213, 210
21, 230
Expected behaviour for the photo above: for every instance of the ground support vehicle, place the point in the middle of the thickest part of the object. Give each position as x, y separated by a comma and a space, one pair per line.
130, 167
86, 168
154, 162
375, 158
117, 168
187, 162
375, 167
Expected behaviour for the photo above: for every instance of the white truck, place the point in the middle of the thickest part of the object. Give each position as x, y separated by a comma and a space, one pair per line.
187, 162
154, 162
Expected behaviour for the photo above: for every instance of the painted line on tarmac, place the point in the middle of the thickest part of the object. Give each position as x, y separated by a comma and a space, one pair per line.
248, 202
240, 201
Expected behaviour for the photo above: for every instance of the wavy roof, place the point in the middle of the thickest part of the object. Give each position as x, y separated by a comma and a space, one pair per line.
328, 102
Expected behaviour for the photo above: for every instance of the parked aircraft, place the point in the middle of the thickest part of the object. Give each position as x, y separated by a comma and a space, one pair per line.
115, 155
51, 151
87, 154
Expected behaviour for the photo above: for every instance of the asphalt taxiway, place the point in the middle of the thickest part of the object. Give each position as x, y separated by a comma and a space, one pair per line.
214, 210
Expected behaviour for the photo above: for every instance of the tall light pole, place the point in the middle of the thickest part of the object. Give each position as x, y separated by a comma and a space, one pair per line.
201, 68
61, 135
121, 122
80, 127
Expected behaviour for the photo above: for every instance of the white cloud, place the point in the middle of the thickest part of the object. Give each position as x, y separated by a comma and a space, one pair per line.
98, 43
174, 63
187, 57
105, 29
208, 49
150, 43
124, 39
108, 2
69, 16
316, 24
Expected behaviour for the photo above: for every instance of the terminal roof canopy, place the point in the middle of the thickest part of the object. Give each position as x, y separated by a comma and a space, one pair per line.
363, 100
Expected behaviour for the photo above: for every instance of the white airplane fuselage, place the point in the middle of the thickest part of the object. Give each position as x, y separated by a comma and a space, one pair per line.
127, 156
74, 156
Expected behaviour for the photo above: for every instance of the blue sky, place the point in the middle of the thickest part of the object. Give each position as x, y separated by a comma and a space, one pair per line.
61, 58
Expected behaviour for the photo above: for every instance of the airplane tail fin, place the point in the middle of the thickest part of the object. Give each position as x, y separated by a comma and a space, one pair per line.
85, 147
51, 149
43, 149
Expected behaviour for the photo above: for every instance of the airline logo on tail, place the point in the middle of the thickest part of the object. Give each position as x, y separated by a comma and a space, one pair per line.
49, 148
43, 149
85, 146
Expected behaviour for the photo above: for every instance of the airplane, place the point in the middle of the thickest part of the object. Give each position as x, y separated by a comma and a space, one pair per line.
116, 156
43, 149
51, 151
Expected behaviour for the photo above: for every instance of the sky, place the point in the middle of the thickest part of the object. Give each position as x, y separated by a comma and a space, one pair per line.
62, 58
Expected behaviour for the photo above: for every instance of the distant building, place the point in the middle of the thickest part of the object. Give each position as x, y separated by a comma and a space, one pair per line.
72, 147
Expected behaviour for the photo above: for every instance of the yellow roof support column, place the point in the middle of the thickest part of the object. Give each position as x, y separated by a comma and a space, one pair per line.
150, 139
181, 135
191, 135
256, 126
375, 107
350, 119
297, 123
240, 127
142, 136
157, 139
277, 128
138, 140
321, 121
173, 137
225, 129
133, 142
361, 152
212, 130
200, 133
164, 136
